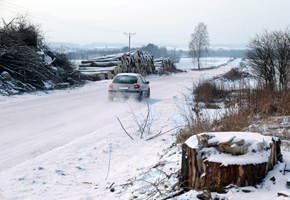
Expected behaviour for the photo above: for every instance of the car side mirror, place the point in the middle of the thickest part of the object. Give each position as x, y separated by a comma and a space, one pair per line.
147, 82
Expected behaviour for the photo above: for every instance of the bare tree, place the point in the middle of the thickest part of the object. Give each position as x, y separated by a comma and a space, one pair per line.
269, 55
199, 44
261, 58
282, 56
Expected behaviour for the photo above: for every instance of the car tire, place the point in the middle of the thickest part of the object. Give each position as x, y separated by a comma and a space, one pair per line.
148, 94
140, 97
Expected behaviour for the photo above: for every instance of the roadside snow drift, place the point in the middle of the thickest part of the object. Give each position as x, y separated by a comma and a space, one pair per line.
68, 144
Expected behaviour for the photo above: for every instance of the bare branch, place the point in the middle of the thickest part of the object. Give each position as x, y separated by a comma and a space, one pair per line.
160, 133
124, 128
146, 120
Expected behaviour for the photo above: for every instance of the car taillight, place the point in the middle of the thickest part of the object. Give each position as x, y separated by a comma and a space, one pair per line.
136, 86
111, 86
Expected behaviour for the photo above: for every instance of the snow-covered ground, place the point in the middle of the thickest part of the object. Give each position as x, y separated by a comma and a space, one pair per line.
163, 176
68, 144
187, 63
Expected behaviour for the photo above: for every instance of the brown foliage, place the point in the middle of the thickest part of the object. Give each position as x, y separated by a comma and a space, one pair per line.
244, 106
208, 92
233, 74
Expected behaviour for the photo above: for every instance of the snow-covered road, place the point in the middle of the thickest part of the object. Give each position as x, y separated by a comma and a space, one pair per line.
58, 145
31, 125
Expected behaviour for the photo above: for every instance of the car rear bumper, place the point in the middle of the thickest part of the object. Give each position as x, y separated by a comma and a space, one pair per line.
123, 94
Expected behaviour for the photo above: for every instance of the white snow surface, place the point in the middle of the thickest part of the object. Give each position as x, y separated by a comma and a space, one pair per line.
187, 63
68, 144
254, 140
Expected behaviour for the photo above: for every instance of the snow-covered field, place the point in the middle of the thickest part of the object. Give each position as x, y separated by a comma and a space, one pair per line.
68, 144
187, 64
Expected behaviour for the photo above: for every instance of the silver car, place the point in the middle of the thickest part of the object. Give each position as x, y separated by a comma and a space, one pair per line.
126, 85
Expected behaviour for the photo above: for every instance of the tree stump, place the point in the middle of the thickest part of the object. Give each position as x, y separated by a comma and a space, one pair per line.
215, 160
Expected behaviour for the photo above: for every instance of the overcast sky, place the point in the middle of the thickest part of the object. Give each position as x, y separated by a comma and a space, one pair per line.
153, 21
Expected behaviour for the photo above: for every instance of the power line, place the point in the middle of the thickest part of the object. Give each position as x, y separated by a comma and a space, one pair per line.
52, 18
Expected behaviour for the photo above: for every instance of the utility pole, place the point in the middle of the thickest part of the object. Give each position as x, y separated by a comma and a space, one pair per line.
174, 54
129, 35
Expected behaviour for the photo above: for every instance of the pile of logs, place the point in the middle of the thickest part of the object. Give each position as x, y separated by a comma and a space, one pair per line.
214, 161
107, 67
163, 65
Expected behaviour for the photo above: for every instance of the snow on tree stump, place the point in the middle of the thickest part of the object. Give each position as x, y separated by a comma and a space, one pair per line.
212, 161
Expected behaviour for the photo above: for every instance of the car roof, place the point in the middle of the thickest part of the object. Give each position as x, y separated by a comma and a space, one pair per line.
128, 74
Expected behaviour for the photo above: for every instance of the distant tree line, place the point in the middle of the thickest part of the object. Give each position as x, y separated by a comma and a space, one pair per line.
156, 51
233, 53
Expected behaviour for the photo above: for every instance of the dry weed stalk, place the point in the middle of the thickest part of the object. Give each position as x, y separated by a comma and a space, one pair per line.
241, 105
144, 123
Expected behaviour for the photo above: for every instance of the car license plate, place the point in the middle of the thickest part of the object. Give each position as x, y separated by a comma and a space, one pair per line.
123, 88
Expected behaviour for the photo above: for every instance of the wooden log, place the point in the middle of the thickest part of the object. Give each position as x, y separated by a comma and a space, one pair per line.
105, 64
163, 65
135, 62
87, 61
112, 58
6, 76
92, 69
63, 85
95, 76
85, 65
101, 76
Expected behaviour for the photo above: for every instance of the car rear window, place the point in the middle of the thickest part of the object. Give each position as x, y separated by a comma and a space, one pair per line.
125, 79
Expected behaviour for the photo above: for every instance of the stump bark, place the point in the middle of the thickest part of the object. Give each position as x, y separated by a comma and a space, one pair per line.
200, 170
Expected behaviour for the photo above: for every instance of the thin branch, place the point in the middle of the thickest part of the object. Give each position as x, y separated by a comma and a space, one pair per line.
174, 194
124, 128
153, 184
147, 117
159, 134
135, 118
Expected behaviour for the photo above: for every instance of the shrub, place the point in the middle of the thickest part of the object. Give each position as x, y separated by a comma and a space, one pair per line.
245, 106
208, 92
233, 74
22, 56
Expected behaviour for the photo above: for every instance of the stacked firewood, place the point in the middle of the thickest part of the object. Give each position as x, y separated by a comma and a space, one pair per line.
163, 65
106, 67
